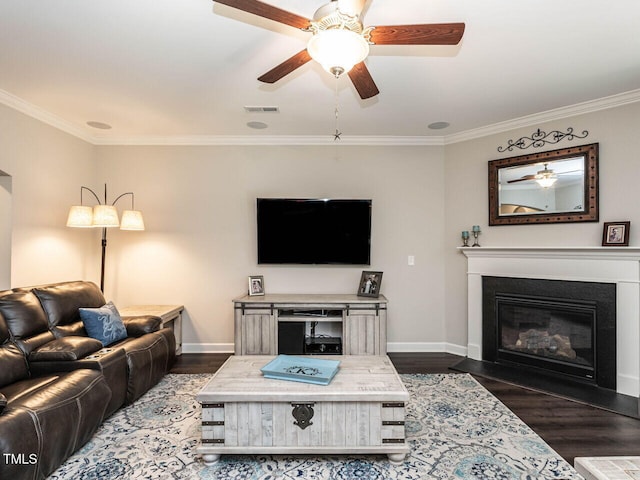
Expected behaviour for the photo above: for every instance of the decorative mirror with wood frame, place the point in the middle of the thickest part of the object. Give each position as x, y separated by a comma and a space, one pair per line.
559, 186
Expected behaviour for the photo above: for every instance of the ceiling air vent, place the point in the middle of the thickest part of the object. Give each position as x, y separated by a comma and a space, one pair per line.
262, 109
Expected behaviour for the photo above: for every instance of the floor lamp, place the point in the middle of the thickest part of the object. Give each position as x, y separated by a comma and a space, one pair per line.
104, 216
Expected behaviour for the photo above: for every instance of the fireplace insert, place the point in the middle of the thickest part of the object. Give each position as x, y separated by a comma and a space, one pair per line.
561, 327
557, 335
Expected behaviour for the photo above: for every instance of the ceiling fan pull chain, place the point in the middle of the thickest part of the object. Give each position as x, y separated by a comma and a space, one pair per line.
336, 136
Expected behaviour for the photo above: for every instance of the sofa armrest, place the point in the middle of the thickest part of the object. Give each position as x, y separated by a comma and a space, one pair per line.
112, 362
65, 349
141, 325
3, 403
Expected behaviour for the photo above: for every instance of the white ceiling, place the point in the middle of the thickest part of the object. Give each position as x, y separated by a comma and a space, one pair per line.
158, 69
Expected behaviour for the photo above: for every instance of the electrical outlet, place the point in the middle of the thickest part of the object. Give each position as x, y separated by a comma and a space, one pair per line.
411, 260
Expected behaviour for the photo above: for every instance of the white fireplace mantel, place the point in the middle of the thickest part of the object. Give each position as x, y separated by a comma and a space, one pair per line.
619, 265
557, 252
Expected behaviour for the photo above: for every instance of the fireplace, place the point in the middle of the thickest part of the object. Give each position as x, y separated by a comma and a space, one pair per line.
614, 268
562, 328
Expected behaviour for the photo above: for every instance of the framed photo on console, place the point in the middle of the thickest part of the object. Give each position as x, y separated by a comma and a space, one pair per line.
256, 285
370, 283
615, 234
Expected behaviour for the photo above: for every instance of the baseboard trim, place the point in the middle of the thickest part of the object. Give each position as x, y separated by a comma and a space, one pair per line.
426, 347
456, 349
399, 347
207, 348
627, 385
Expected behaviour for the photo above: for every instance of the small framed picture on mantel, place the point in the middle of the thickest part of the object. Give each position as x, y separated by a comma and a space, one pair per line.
615, 234
370, 283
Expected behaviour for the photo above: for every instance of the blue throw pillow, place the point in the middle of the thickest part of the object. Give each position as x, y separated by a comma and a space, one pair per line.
104, 323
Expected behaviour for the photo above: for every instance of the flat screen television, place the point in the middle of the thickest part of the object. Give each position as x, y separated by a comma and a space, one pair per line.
314, 231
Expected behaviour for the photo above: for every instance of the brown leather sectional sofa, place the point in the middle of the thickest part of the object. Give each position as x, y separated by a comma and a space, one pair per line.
57, 384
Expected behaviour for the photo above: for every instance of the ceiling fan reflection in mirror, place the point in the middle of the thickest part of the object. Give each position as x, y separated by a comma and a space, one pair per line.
340, 42
545, 177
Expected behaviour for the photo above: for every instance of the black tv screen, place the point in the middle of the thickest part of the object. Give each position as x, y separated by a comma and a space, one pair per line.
310, 231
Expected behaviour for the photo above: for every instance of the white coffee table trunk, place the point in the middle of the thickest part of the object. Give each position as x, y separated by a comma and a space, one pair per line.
361, 411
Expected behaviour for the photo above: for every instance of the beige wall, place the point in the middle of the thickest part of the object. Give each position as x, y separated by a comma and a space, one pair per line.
199, 246
198, 202
5, 231
47, 168
466, 197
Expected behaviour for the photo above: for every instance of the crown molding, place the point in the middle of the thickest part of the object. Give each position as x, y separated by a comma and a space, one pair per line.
43, 115
275, 140
80, 132
535, 119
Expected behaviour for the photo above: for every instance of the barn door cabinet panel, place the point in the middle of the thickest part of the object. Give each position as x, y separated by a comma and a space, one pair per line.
255, 332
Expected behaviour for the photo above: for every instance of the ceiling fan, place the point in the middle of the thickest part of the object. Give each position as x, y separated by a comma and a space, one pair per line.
545, 177
340, 42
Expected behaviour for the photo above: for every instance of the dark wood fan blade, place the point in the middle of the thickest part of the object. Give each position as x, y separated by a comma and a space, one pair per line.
286, 67
522, 179
268, 11
428, 34
363, 81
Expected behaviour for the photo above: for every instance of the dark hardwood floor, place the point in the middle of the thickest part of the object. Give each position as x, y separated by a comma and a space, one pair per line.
572, 429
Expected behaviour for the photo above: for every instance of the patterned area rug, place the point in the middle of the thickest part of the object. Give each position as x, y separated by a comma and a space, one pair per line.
456, 430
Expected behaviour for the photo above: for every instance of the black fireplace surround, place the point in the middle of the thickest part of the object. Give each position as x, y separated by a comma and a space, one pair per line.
562, 328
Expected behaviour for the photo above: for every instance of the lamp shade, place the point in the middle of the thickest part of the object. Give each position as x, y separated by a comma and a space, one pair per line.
105, 216
80, 217
132, 220
338, 50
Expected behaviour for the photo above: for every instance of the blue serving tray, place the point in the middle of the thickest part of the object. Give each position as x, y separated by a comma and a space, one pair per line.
301, 369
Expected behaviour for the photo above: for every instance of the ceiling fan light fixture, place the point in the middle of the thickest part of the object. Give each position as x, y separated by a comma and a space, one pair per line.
546, 177
337, 49
546, 181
